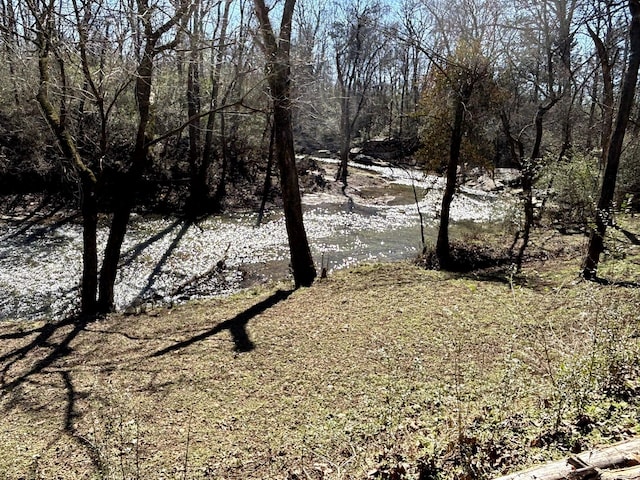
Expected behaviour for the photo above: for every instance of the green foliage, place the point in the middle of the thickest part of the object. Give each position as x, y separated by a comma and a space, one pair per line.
593, 392
628, 189
572, 190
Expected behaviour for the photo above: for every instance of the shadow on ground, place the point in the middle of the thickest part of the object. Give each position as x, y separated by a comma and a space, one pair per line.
237, 326
40, 366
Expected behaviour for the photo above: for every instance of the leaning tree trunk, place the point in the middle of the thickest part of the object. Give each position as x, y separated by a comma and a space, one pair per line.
443, 249
123, 209
604, 210
88, 183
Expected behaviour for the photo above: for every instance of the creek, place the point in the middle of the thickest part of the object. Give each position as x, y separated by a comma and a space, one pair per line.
167, 260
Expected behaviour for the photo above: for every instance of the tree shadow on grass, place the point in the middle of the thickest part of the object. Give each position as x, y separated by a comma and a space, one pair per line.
56, 338
237, 326
615, 283
69, 425
41, 363
632, 237
44, 339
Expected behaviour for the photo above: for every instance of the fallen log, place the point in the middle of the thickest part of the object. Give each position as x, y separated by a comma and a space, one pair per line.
632, 473
623, 456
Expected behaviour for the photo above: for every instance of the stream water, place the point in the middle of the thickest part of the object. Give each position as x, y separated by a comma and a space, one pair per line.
167, 260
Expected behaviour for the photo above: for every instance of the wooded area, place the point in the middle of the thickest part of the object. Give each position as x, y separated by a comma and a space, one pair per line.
183, 106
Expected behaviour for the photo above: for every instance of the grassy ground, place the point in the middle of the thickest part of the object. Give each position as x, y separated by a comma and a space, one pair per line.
382, 371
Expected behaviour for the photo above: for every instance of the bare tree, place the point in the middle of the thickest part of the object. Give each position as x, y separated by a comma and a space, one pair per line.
541, 57
278, 69
194, 100
413, 68
154, 32
10, 39
604, 212
45, 39
202, 155
603, 29
313, 100
358, 47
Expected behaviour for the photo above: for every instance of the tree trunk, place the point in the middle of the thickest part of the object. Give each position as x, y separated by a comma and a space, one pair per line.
304, 271
355, 57
604, 210
443, 252
565, 12
345, 81
89, 206
592, 111
606, 67
123, 209
10, 34
528, 169
221, 188
88, 181
278, 67
266, 189
200, 188
111, 257
516, 150
345, 148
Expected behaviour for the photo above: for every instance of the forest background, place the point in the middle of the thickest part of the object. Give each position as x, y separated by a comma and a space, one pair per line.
172, 106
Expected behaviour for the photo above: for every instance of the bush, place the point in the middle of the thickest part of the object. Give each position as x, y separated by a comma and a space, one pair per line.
628, 191
572, 190
28, 161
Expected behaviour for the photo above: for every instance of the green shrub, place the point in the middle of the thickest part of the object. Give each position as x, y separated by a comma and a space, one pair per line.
572, 190
628, 188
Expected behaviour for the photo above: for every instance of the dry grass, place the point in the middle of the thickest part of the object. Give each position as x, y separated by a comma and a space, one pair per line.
386, 371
